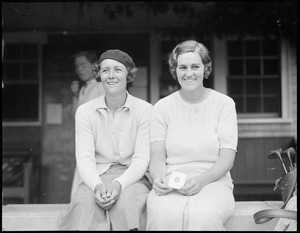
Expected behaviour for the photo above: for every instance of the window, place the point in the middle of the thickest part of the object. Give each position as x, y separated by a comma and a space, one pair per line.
21, 83
254, 77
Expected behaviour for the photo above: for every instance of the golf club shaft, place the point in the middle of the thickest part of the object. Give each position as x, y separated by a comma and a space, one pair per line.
289, 153
283, 165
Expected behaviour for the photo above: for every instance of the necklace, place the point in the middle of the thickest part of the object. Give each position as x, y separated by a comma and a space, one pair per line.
194, 105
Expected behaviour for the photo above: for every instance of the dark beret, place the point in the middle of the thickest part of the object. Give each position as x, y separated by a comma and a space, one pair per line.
119, 56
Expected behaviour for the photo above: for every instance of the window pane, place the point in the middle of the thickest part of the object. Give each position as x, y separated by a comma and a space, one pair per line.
253, 86
239, 104
236, 67
270, 66
270, 48
235, 48
253, 66
235, 86
253, 105
20, 102
252, 48
20, 94
254, 77
271, 86
30, 51
30, 71
12, 71
271, 105
12, 52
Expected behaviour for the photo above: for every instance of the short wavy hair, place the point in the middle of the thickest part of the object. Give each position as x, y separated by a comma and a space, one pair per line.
91, 56
190, 46
132, 72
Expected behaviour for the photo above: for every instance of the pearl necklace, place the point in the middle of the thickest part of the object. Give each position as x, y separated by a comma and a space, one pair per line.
195, 106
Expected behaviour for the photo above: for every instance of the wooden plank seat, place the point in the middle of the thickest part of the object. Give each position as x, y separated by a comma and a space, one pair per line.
42, 217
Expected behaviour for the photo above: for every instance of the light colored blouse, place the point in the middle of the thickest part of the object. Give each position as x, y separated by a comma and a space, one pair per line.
90, 91
194, 132
103, 140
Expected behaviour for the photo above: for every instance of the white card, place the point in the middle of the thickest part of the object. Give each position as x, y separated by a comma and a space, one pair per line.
177, 180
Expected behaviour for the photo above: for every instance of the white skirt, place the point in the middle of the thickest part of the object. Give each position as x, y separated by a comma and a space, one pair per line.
207, 210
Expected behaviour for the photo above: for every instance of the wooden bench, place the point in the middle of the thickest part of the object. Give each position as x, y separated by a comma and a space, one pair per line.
17, 166
42, 217
23, 191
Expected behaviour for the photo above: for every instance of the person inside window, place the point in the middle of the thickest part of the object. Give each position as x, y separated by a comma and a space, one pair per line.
194, 133
112, 153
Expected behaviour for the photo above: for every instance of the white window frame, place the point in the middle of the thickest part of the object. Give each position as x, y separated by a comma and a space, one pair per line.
21, 38
220, 81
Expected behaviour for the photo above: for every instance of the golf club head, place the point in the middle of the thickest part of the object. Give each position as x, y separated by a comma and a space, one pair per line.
275, 154
289, 153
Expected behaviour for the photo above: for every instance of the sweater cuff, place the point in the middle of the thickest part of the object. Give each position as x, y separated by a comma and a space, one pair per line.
96, 186
120, 182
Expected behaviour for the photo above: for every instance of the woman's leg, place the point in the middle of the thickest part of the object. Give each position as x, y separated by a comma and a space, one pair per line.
75, 183
83, 213
210, 208
129, 212
166, 212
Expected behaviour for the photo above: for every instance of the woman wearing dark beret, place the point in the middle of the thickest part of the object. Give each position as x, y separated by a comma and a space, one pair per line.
112, 153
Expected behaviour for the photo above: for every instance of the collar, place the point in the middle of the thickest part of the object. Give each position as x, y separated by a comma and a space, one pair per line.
92, 81
127, 105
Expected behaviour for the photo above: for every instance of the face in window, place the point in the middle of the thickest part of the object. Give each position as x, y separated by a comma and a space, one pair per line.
190, 71
83, 68
113, 76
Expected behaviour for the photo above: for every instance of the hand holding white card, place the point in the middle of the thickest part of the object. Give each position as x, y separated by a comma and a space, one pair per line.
177, 180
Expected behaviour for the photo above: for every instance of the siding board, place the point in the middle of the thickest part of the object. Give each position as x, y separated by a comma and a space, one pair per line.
251, 163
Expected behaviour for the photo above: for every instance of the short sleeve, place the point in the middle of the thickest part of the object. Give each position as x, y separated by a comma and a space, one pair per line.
227, 126
158, 123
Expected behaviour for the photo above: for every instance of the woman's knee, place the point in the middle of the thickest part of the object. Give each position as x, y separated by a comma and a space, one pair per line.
134, 192
159, 207
83, 198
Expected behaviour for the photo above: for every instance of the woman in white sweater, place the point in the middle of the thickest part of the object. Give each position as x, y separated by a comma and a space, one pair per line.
112, 154
193, 132
90, 89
